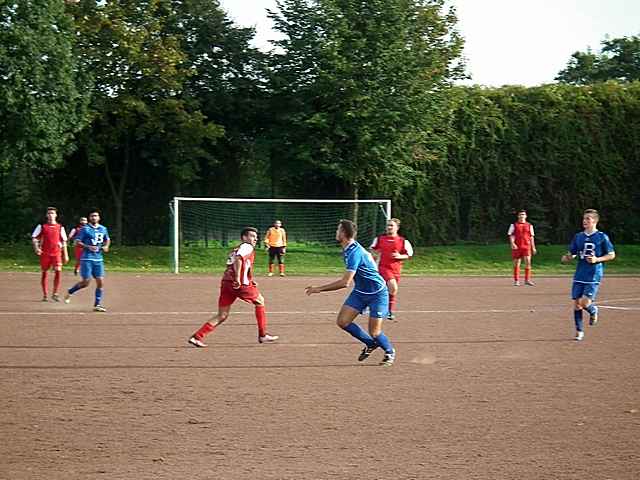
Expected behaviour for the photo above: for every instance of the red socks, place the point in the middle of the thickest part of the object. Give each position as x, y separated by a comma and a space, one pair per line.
392, 303
281, 267
527, 274
261, 319
204, 330
516, 272
43, 282
56, 281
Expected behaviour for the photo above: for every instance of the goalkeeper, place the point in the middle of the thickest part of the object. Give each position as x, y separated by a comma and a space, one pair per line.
276, 241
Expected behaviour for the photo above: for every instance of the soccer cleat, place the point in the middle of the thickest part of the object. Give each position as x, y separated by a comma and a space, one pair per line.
196, 342
516, 283
391, 316
67, 298
579, 336
99, 308
270, 274
268, 338
282, 274
55, 297
593, 320
75, 272
530, 283
45, 299
388, 359
366, 351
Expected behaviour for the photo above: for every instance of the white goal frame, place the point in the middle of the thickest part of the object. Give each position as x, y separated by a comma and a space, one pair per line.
175, 209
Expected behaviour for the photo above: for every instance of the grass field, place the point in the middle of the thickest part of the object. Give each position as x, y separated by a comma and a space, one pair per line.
307, 260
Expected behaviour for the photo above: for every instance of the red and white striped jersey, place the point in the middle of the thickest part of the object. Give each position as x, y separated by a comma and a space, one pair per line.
247, 253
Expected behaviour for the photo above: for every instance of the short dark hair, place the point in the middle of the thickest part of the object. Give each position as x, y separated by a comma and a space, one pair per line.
93, 210
246, 230
522, 210
52, 208
592, 211
349, 228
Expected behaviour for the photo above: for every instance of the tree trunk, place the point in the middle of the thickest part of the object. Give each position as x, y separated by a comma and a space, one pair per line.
118, 192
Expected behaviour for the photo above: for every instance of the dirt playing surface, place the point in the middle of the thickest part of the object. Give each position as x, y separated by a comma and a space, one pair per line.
488, 384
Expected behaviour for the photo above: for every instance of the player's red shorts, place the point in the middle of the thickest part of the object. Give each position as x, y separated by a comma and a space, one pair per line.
389, 273
50, 261
521, 252
228, 294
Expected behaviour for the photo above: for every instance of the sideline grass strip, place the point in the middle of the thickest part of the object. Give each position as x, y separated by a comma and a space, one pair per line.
311, 260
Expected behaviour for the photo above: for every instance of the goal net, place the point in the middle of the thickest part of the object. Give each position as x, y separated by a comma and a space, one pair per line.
208, 223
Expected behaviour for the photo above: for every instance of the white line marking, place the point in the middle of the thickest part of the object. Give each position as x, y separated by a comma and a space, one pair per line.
615, 300
321, 312
532, 309
618, 308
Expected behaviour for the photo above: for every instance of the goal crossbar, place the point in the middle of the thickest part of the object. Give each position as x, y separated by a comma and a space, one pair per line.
175, 207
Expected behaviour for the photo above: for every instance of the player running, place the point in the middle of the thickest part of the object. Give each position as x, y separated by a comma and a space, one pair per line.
523, 245
94, 240
237, 282
276, 242
77, 250
592, 248
392, 250
50, 244
369, 290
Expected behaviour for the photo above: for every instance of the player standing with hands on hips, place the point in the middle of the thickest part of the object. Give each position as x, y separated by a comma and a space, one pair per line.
523, 245
592, 248
94, 240
370, 290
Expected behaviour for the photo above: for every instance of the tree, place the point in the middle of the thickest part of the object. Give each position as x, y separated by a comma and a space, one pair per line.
619, 60
43, 92
358, 87
141, 119
227, 78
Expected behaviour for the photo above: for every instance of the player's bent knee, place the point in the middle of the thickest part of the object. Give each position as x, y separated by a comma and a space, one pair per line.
259, 301
585, 302
343, 323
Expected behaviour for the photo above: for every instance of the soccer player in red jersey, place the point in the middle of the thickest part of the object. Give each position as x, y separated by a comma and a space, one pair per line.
237, 282
523, 245
82, 221
50, 244
392, 250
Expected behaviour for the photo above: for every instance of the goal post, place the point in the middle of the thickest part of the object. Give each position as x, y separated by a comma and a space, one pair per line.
200, 223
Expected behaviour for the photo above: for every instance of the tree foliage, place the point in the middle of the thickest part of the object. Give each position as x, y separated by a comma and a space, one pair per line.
618, 60
356, 99
43, 93
360, 86
554, 150
141, 119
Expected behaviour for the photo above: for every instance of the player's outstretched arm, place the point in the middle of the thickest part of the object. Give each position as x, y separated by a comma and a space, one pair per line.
339, 284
